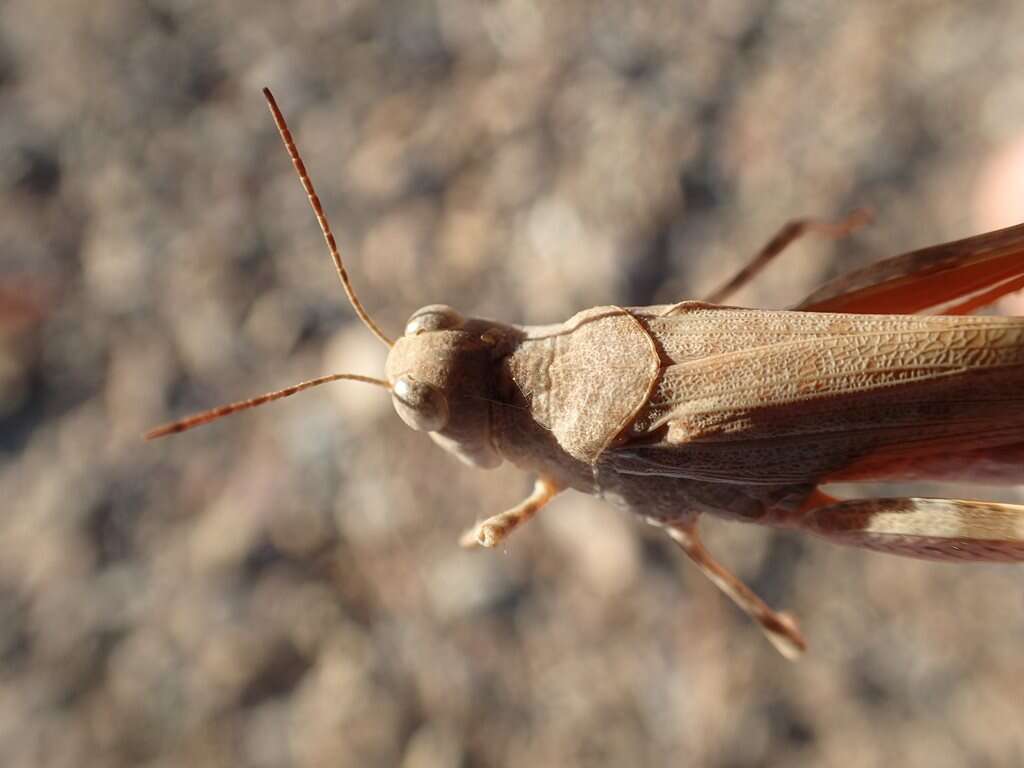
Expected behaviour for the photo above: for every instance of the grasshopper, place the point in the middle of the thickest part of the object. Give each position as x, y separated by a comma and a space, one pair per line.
694, 408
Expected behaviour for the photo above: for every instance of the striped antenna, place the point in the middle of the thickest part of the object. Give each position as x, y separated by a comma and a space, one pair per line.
325, 227
225, 410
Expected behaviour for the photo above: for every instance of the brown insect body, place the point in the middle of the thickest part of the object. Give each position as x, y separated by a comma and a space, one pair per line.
746, 411
680, 410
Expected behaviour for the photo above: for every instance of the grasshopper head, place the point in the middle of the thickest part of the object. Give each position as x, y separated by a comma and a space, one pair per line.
440, 377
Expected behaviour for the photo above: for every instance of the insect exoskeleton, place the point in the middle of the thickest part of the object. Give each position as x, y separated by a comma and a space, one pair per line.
678, 410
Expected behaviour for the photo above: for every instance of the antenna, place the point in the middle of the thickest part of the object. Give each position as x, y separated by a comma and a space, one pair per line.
225, 410
325, 227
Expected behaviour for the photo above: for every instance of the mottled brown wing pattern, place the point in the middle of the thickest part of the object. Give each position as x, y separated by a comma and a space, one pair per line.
822, 391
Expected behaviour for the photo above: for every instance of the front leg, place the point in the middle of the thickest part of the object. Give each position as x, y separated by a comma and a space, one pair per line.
780, 628
493, 530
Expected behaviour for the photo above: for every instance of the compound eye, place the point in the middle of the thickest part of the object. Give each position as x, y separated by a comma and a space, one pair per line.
436, 317
421, 406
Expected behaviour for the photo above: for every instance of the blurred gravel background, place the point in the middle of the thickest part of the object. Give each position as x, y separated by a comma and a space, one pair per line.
284, 588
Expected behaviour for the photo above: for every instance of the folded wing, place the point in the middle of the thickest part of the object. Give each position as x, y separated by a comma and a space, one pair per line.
950, 279
835, 392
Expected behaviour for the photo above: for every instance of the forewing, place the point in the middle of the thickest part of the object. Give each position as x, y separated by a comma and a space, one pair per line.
799, 410
950, 279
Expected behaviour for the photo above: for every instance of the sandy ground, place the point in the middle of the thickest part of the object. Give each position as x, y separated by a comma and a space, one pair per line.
284, 588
